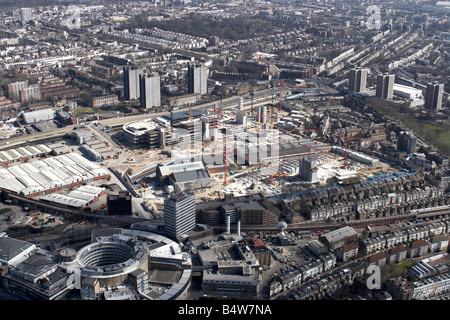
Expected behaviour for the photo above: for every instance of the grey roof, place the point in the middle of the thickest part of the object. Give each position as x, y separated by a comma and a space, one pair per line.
10, 248
207, 256
88, 281
339, 234
54, 278
167, 170
34, 267
193, 175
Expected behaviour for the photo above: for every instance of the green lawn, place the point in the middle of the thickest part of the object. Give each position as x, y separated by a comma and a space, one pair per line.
82, 112
436, 134
445, 138
396, 270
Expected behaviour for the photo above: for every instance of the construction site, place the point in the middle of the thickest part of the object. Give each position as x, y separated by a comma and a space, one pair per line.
246, 149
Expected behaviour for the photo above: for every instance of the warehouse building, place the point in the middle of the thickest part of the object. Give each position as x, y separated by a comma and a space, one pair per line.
338, 238
163, 172
38, 116
23, 153
91, 153
81, 197
97, 150
191, 180
50, 175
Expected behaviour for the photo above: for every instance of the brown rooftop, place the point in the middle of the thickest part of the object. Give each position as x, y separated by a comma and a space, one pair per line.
376, 257
396, 250
418, 243
349, 246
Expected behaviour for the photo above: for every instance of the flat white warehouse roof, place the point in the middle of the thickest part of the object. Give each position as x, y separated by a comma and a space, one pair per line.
50, 173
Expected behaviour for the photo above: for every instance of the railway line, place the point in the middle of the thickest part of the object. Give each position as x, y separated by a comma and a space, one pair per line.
441, 211
80, 213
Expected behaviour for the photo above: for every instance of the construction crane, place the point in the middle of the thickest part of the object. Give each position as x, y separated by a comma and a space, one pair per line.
225, 164
214, 127
252, 94
273, 157
281, 93
216, 111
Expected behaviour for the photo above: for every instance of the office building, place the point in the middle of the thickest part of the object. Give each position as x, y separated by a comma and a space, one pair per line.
14, 88
31, 93
179, 214
131, 82
308, 170
406, 142
150, 90
147, 133
115, 265
26, 14
385, 86
433, 96
119, 204
358, 80
197, 79
241, 118
103, 100
247, 213
231, 268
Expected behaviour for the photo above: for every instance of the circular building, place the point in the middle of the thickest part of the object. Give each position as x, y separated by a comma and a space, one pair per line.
148, 133
152, 266
111, 259
68, 254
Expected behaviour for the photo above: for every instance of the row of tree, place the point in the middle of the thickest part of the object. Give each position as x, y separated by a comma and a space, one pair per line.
205, 27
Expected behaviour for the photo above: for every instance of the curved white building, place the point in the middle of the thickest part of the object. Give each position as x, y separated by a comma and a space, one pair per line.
117, 264
146, 133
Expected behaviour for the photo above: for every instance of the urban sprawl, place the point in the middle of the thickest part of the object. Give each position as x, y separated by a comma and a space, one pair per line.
258, 150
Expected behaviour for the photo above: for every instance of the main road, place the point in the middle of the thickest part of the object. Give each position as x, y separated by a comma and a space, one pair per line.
260, 98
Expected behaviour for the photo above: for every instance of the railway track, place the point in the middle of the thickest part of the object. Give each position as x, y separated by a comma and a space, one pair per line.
59, 209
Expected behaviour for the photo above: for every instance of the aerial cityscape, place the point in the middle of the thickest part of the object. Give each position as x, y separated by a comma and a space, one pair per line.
224, 150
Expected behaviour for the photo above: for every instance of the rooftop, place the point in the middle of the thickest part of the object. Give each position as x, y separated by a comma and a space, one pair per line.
339, 234
349, 247
396, 249
376, 257
10, 248
417, 244
192, 175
